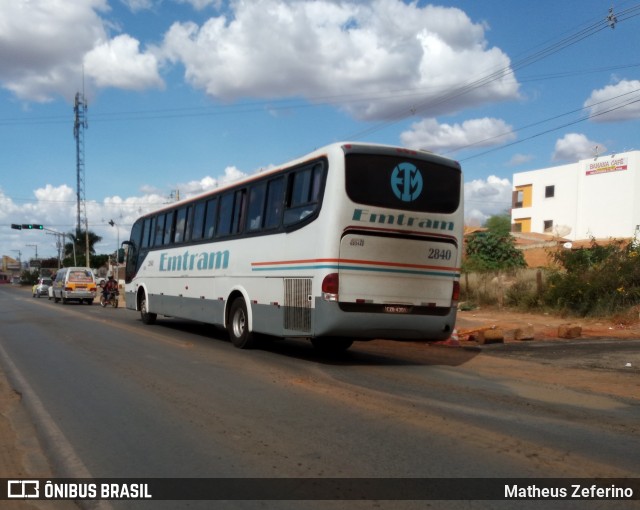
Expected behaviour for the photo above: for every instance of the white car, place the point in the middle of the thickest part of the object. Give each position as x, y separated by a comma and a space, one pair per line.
42, 287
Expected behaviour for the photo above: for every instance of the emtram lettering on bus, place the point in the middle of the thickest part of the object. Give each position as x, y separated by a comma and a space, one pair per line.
366, 216
198, 261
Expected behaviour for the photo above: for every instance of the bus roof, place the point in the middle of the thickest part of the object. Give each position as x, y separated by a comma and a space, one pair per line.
345, 146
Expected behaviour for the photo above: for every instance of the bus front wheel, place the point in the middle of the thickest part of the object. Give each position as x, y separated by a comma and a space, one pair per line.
238, 325
146, 316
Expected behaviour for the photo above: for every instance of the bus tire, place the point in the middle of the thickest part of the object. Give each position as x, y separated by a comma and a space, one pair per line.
238, 325
145, 316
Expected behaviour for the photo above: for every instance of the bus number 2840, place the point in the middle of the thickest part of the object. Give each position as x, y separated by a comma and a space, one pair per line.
439, 254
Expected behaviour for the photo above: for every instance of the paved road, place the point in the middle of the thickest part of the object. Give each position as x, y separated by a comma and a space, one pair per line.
115, 398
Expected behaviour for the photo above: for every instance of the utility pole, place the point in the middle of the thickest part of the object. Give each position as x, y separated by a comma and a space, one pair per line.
36, 247
79, 125
19, 257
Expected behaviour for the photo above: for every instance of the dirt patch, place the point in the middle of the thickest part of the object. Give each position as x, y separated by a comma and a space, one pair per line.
545, 326
587, 363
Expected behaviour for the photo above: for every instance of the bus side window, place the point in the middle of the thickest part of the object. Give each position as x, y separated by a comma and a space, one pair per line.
232, 211
304, 192
198, 221
188, 223
210, 218
300, 187
146, 233
159, 231
255, 209
181, 222
316, 183
239, 211
275, 201
169, 227
152, 230
225, 215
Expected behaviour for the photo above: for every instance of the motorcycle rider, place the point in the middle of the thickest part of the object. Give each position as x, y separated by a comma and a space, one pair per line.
109, 286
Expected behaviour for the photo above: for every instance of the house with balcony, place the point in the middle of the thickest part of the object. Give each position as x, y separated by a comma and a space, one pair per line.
596, 198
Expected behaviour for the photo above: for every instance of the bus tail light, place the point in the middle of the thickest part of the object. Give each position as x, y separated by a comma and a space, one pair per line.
455, 294
330, 286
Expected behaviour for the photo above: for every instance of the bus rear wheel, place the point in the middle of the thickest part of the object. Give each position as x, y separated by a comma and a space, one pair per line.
238, 325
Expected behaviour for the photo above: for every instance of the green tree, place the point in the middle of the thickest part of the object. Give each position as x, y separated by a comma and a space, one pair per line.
499, 223
77, 247
29, 277
493, 249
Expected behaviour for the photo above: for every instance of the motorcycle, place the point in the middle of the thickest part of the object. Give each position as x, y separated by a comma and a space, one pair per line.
110, 299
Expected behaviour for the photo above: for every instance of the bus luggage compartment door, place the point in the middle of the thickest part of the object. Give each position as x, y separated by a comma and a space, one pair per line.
397, 270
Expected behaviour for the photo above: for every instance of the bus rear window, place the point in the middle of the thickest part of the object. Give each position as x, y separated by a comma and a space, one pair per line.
402, 183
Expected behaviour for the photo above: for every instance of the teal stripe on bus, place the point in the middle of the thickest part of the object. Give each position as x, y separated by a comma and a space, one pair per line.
359, 268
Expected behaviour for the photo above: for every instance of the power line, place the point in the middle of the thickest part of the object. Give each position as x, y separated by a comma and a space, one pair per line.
500, 73
537, 123
311, 102
591, 116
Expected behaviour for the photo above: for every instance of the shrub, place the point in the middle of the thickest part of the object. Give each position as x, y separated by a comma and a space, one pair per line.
598, 280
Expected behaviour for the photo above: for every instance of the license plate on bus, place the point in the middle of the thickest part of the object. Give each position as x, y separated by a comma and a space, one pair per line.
396, 309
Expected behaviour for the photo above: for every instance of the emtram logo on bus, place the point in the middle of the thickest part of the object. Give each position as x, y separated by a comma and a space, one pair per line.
406, 182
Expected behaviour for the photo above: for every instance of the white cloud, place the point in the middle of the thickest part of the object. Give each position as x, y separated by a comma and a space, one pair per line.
622, 98
486, 198
428, 134
202, 4
519, 159
56, 208
208, 183
576, 146
138, 5
376, 58
119, 63
42, 45
45, 43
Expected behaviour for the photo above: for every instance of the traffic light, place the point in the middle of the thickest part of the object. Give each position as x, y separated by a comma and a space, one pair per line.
27, 226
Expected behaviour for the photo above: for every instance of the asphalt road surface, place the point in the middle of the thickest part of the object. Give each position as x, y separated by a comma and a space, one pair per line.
111, 397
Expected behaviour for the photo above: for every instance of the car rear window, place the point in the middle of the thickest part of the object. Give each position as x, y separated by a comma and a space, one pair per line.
80, 277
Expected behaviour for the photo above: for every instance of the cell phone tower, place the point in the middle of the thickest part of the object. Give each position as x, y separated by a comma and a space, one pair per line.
79, 125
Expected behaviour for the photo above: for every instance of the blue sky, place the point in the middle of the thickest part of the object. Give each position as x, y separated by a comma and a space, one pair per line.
186, 94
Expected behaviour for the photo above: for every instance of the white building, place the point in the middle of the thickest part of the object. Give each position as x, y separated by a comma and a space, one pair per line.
597, 197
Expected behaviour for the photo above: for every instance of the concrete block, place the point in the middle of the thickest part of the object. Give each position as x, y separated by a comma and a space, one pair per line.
524, 333
490, 336
569, 331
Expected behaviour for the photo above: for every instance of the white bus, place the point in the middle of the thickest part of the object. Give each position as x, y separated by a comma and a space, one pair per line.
351, 242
